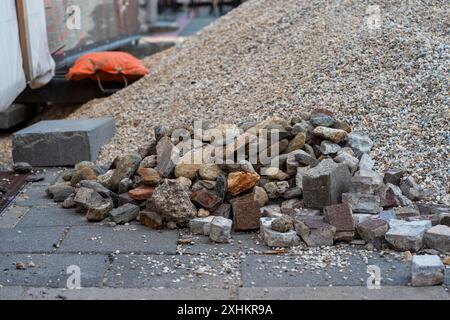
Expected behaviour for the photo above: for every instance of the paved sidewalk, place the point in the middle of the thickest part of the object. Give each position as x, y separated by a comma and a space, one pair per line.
134, 262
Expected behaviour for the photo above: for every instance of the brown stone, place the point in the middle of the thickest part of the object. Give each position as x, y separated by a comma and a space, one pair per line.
151, 219
247, 215
149, 176
85, 173
206, 199
141, 193
334, 135
239, 182
124, 199
340, 216
297, 143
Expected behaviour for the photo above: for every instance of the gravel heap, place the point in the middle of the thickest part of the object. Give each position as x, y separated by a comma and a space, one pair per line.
271, 57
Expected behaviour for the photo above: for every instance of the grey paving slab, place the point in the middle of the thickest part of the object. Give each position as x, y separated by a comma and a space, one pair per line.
11, 216
30, 239
186, 271
126, 239
51, 270
53, 215
33, 196
343, 293
90, 294
12, 293
241, 243
294, 271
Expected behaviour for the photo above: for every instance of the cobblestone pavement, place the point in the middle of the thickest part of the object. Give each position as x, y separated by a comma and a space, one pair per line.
133, 262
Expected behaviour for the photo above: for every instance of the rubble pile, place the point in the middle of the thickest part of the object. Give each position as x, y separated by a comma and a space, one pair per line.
305, 180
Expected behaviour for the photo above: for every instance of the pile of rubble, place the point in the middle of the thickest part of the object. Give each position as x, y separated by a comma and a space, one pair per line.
310, 179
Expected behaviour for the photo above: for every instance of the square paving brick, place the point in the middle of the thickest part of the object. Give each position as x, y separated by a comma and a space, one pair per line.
131, 239
52, 216
11, 216
51, 270
30, 239
186, 271
247, 243
33, 196
294, 271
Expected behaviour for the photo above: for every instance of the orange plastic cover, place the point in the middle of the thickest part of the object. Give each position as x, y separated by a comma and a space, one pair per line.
108, 66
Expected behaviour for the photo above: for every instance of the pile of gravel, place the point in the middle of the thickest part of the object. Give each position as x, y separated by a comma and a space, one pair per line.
384, 69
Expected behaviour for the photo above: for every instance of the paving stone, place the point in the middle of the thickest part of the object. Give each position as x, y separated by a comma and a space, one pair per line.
349, 160
138, 239
30, 239
407, 236
125, 213
434, 219
411, 189
224, 210
51, 270
438, 238
194, 272
11, 217
360, 184
406, 212
315, 232
52, 216
362, 203
393, 176
16, 114
340, 216
201, 226
391, 196
12, 293
277, 239
62, 142
427, 270
388, 215
246, 215
372, 229
360, 142
32, 196
426, 208
296, 271
324, 184
220, 230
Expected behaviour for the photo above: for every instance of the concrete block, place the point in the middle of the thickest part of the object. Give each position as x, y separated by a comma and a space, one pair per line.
427, 271
62, 142
220, 230
16, 114
404, 236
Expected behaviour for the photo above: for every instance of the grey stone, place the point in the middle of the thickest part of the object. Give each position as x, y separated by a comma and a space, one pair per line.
360, 184
362, 203
391, 196
321, 120
411, 189
16, 114
220, 230
427, 209
271, 211
125, 213
388, 215
167, 157
325, 184
299, 158
201, 226
327, 147
62, 142
366, 162
85, 198
60, 192
349, 160
393, 176
333, 135
224, 210
427, 271
301, 172
361, 217
438, 238
292, 206
69, 203
221, 187
407, 236
444, 219
126, 167
104, 192
98, 212
283, 224
149, 162
292, 193
434, 219
377, 179
162, 131
35, 178
273, 238
315, 232
360, 142
171, 200
406, 212
276, 189
372, 229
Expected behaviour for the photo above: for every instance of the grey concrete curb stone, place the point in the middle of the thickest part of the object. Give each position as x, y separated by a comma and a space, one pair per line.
62, 142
